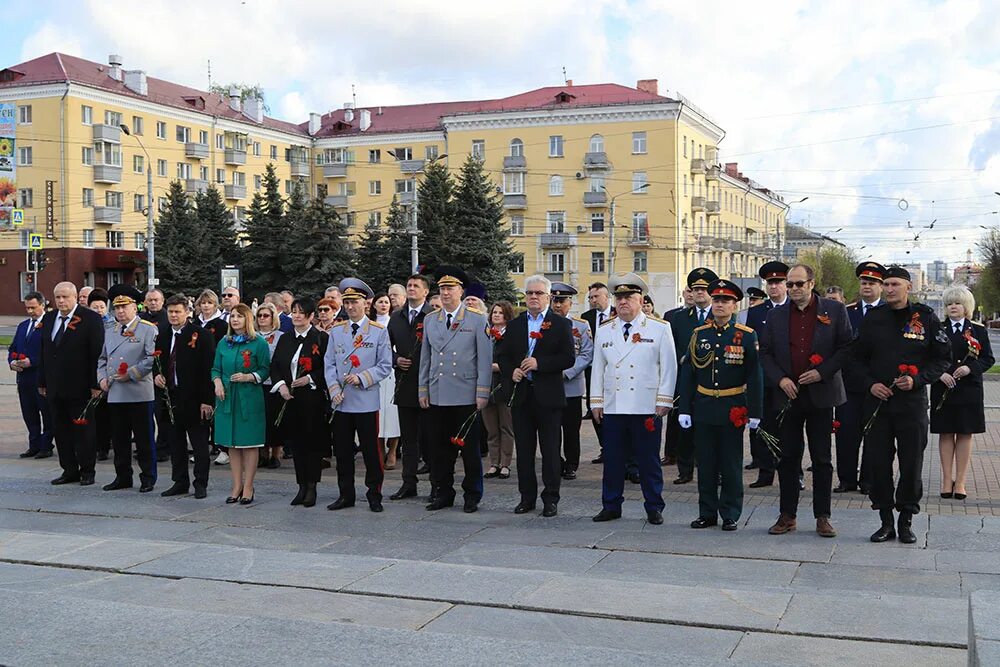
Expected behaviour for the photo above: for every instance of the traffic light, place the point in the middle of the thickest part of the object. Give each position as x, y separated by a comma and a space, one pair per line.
40, 259
32, 262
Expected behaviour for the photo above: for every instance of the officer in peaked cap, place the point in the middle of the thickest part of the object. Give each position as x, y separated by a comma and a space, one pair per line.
355, 288
573, 378
755, 295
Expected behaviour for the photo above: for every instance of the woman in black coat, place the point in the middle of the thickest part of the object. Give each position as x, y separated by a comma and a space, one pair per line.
957, 397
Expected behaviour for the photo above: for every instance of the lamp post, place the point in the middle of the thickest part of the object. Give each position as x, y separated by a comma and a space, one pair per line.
151, 280
611, 235
413, 231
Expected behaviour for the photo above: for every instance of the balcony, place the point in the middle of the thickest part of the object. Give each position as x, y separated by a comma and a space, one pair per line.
406, 198
336, 201
555, 276
193, 186
712, 173
195, 150
596, 161
638, 240
235, 157
335, 170
107, 215
235, 191
411, 166
556, 240
697, 204
706, 241
299, 168
111, 133
712, 154
106, 173
712, 207
515, 201
514, 163
595, 199
697, 166
739, 246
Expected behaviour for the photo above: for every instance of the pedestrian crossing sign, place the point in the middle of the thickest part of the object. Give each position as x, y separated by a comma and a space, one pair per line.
35, 242
17, 217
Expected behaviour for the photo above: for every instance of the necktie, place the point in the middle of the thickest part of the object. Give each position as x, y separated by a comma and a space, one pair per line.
701, 316
628, 325
600, 319
448, 322
122, 332
31, 328
413, 315
354, 328
172, 362
225, 316
864, 311
61, 330
958, 327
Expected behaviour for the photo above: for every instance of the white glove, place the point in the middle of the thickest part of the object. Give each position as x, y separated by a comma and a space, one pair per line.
754, 422
684, 421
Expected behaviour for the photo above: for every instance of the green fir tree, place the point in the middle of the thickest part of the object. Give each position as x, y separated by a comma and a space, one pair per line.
267, 255
176, 235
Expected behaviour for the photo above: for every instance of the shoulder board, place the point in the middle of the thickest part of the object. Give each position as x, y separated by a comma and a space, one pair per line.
743, 327
342, 323
853, 304
376, 324
609, 320
656, 319
475, 310
707, 325
148, 323
977, 325
580, 320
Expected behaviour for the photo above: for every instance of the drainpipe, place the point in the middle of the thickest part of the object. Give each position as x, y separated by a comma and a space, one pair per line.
64, 215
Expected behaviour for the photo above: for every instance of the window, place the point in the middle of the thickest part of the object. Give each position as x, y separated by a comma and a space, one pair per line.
685, 185
138, 164
137, 125
113, 199
140, 241
24, 114
333, 156
513, 183
220, 175
431, 152
220, 141
374, 156
114, 239
274, 152
25, 197
88, 197
516, 262
109, 153
203, 172
404, 185
239, 178
24, 156
556, 186
161, 130
351, 218
88, 238
597, 223
256, 149
684, 146
692, 148
516, 148
640, 226
112, 118
700, 156
183, 170
479, 149
555, 221
138, 203
405, 153
87, 115
556, 145
639, 261
87, 155
183, 134
597, 144
597, 262
349, 188
596, 183
23, 237
161, 168
161, 203
517, 225
638, 143
640, 182
557, 262
374, 219
374, 187
256, 183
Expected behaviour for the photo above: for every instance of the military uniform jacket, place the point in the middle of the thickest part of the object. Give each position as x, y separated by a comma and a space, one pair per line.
456, 365
683, 322
370, 348
721, 358
969, 389
406, 339
634, 376
574, 381
135, 349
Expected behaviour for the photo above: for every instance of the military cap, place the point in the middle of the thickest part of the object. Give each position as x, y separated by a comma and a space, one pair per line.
477, 290
897, 272
724, 288
773, 270
647, 299
626, 284
701, 277
354, 288
872, 271
450, 275
756, 293
122, 295
562, 290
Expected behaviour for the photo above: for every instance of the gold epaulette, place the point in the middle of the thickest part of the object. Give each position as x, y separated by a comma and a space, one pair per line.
343, 323
475, 310
743, 327
376, 324
152, 324
609, 320
656, 319
580, 320
706, 325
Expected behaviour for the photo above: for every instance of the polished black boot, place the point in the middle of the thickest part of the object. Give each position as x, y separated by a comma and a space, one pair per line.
887, 531
297, 500
309, 498
905, 528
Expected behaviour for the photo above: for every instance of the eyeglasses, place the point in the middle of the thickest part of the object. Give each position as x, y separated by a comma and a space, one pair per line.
228, 296
324, 309
263, 315
799, 284
535, 293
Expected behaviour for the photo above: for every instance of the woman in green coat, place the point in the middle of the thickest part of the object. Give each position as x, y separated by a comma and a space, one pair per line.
241, 363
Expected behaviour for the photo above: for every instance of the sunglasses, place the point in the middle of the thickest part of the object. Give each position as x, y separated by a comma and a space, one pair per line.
796, 283
324, 309
263, 315
228, 296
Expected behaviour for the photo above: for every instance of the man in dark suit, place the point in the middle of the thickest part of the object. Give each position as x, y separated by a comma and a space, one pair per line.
184, 371
23, 356
155, 312
600, 312
406, 333
536, 348
72, 338
802, 350
672, 430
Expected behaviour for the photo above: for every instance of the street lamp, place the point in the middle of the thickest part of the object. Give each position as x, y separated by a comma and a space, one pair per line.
150, 259
611, 235
414, 232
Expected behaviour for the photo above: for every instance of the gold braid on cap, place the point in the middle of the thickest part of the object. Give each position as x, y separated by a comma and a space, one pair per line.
697, 361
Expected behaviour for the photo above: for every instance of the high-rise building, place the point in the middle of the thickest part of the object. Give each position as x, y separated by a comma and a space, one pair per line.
937, 273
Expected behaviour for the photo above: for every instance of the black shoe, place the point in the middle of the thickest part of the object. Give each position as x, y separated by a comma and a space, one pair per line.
599, 459
44, 454
102, 456
405, 491
28, 454
232, 500
751, 466
961, 496
905, 528
274, 463
633, 477
569, 474
86, 480
550, 510
887, 531
701, 522
423, 469
297, 500
470, 506
375, 505
845, 488
175, 490
340, 503
286, 455
309, 500
65, 479
200, 493
324, 464
948, 494
654, 517
440, 503
607, 515
761, 483
524, 508
728, 525
864, 489
116, 485
683, 479
146, 488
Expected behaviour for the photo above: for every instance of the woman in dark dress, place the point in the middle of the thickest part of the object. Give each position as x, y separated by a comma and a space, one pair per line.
957, 397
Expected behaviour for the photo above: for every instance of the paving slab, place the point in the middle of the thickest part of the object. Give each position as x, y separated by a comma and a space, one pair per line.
569, 560
967, 561
715, 542
983, 541
979, 582
777, 649
256, 538
984, 627
96, 526
577, 536
390, 547
17, 577
684, 570
895, 581
877, 555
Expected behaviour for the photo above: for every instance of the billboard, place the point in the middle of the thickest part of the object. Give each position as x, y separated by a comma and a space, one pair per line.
8, 165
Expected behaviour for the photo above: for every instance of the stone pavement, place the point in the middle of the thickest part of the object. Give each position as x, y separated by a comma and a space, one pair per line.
89, 576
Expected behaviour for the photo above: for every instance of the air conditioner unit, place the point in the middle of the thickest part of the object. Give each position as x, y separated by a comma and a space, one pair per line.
580, 229
499, 190
579, 175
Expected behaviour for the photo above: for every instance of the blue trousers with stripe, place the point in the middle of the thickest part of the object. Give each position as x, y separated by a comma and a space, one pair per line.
625, 437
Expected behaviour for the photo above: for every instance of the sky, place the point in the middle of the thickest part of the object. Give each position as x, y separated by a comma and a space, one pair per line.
886, 115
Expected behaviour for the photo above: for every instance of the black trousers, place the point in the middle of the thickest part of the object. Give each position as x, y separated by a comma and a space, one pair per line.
162, 420
899, 430
74, 442
179, 435
849, 440
36, 416
758, 448
684, 447
412, 437
102, 427
572, 418
364, 425
304, 428
537, 428
817, 423
128, 421
443, 423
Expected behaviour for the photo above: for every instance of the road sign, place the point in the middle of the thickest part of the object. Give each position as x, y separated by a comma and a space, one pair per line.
35, 242
17, 217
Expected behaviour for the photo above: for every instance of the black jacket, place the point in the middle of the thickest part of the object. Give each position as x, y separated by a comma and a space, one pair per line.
69, 368
591, 317
314, 348
968, 390
403, 339
194, 354
554, 351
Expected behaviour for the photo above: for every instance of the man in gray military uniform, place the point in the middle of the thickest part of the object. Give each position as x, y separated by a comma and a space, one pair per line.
124, 371
358, 357
574, 379
456, 367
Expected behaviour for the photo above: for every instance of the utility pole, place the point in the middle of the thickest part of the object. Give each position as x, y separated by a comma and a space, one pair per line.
611, 233
414, 232
151, 280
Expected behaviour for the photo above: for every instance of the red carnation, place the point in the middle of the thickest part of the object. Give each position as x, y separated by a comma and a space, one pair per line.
836, 426
912, 370
306, 364
815, 359
902, 369
739, 416
535, 335
122, 368
458, 441
80, 421
157, 353
650, 424
246, 358
22, 357
355, 361
495, 334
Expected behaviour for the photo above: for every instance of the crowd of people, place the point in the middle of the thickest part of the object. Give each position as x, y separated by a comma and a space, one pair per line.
404, 376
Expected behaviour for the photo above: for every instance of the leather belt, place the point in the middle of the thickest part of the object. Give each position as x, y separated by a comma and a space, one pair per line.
716, 393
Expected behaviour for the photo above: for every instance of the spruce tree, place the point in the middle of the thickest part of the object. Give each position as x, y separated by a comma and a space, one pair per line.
436, 217
267, 254
369, 257
217, 238
176, 235
485, 250
396, 247
321, 240
295, 222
